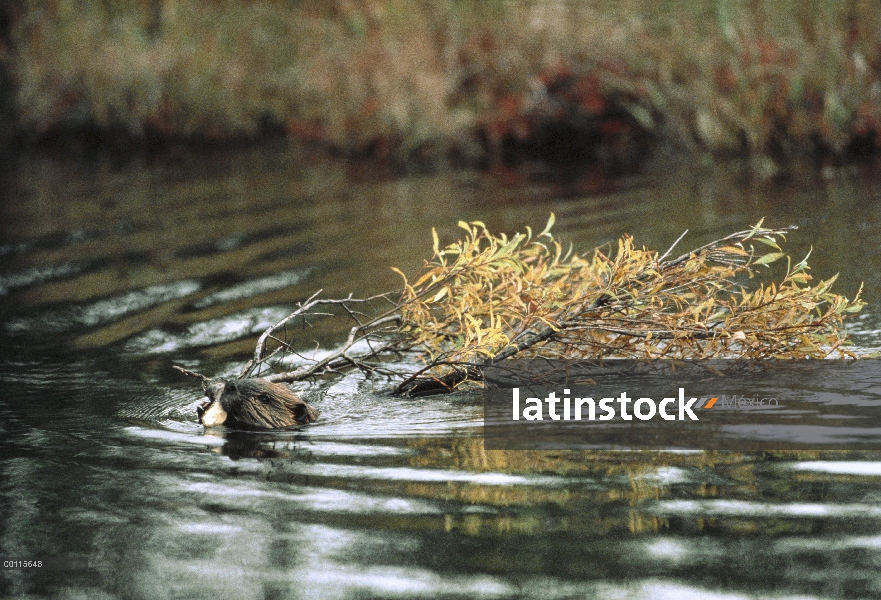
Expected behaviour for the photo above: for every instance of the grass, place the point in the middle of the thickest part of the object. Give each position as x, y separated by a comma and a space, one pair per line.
482, 81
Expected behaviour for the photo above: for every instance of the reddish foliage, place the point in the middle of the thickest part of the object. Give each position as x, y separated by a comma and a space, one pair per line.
555, 72
304, 130
589, 96
725, 79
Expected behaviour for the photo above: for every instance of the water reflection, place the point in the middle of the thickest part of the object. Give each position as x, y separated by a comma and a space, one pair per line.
111, 275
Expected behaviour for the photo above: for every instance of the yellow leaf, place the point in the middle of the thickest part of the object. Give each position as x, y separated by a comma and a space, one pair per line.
399, 272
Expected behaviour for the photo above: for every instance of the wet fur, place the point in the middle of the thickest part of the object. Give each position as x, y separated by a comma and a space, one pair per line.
254, 403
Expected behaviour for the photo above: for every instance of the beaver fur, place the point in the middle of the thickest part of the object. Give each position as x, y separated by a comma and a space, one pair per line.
252, 403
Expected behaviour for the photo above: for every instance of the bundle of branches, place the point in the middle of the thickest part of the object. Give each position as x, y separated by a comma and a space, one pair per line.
488, 298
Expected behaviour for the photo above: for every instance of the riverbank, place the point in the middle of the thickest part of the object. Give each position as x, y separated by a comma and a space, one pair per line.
485, 84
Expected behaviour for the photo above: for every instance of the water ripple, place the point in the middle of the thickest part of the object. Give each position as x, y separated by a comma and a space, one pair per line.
102, 311
207, 333
869, 468
41, 274
253, 287
741, 508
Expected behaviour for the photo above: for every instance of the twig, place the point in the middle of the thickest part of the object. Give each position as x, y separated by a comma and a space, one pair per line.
670, 249
190, 373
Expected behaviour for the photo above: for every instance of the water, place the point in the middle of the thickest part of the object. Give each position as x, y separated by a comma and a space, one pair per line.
110, 274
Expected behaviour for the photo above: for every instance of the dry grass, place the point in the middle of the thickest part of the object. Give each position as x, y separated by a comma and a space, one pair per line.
772, 78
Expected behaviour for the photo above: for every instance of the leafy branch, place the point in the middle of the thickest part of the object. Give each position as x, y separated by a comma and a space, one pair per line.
487, 298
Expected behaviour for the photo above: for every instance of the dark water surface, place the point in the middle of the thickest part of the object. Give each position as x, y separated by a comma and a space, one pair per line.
109, 275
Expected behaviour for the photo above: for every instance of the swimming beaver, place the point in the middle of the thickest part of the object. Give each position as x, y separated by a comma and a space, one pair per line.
252, 403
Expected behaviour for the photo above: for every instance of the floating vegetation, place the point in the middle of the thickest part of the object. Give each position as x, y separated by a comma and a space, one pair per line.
488, 298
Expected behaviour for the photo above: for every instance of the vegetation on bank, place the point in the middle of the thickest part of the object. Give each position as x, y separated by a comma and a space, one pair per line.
485, 82
488, 298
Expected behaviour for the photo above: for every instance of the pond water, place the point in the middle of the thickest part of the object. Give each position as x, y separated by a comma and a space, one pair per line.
109, 274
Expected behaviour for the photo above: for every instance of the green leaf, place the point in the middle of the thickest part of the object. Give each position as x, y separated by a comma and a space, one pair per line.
804, 262
767, 259
510, 246
755, 229
547, 229
768, 241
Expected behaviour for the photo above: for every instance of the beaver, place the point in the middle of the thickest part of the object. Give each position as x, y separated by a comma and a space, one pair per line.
252, 403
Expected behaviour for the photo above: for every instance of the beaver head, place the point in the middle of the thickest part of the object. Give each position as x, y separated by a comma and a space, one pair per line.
253, 403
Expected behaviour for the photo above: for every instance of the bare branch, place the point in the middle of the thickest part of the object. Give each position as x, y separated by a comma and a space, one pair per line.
190, 373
